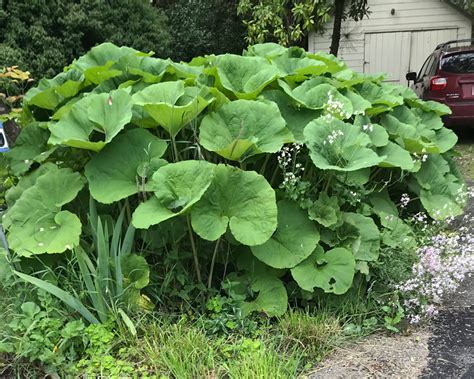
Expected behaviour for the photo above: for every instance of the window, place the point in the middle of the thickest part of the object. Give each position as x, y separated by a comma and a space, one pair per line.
462, 63
424, 68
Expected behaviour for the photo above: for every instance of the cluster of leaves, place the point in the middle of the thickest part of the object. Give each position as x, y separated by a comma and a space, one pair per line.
41, 333
199, 27
273, 171
288, 22
45, 36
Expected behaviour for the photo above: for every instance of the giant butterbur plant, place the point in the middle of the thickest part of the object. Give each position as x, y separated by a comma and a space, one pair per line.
275, 169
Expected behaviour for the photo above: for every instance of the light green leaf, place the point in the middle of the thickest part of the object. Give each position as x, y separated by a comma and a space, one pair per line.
172, 105
296, 117
294, 240
246, 76
396, 156
135, 270
325, 210
315, 94
30, 147
35, 222
336, 145
382, 203
103, 115
367, 245
397, 233
241, 200
243, 128
178, 186
332, 271
272, 297
51, 92
104, 54
113, 175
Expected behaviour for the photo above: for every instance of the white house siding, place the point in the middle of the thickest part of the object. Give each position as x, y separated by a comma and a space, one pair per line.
395, 43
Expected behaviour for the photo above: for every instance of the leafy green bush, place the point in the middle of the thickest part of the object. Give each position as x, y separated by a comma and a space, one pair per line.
275, 172
201, 27
44, 36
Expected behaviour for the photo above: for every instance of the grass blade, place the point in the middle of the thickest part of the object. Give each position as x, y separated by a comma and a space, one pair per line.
88, 274
62, 295
128, 322
116, 254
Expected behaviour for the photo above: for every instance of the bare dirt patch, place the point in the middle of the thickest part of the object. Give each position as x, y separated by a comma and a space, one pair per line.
378, 356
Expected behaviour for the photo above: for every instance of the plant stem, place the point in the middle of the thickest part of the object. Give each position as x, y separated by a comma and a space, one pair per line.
127, 209
264, 166
175, 149
193, 247
326, 187
213, 261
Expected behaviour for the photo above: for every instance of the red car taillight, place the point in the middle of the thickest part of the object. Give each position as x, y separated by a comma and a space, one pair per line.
438, 83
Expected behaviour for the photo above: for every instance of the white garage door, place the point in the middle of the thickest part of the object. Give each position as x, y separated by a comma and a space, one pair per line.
400, 52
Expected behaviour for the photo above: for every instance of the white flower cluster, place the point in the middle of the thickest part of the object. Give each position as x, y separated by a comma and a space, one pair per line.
335, 108
404, 200
333, 136
444, 262
368, 127
292, 170
421, 158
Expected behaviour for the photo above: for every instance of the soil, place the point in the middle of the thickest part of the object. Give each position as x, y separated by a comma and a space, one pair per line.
378, 356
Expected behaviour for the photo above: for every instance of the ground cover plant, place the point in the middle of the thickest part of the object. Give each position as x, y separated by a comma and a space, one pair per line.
275, 179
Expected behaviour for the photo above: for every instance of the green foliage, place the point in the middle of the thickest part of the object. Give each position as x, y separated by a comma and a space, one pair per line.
315, 334
43, 37
200, 27
38, 333
270, 175
100, 355
285, 22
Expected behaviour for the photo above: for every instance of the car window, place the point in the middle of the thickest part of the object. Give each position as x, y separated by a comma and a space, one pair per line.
432, 67
424, 68
462, 63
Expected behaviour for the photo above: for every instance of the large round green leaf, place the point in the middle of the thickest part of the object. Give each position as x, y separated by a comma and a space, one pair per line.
396, 156
336, 145
243, 128
35, 222
325, 210
101, 55
150, 69
296, 117
441, 192
51, 92
172, 105
177, 187
366, 247
294, 240
96, 115
272, 297
30, 147
114, 175
317, 94
332, 271
247, 76
241, 200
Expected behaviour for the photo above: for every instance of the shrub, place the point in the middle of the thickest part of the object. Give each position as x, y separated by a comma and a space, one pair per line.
200, 27
44, 36
273, 171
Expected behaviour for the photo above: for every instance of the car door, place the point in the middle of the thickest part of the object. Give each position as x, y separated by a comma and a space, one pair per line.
421, 85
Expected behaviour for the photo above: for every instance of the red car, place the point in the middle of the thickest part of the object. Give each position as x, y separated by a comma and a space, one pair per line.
447, 76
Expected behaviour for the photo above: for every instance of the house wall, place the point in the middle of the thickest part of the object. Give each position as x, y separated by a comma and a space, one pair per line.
409, 16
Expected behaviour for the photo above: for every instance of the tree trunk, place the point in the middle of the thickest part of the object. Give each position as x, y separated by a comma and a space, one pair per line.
336, 32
